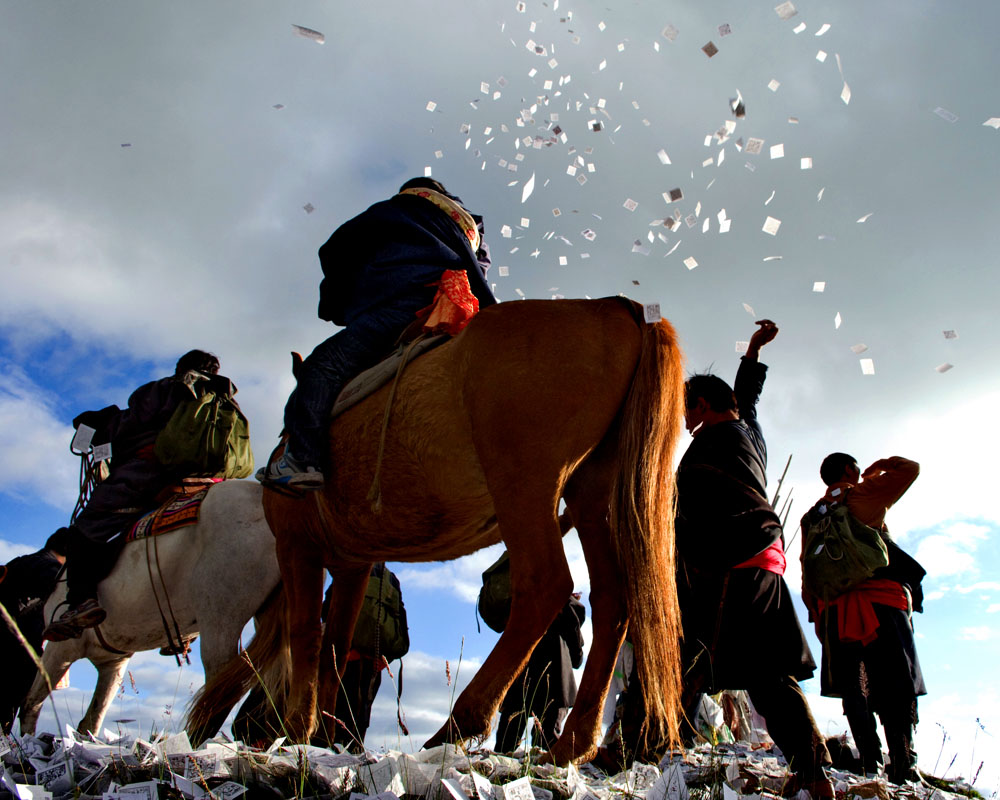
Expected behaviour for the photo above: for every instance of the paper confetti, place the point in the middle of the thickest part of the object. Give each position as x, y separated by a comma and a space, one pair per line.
725, 29
773, 85
689, 262
673, 195
308, 208
945, 114
630, 204
806, 163
651, 312
821, 56
431, 105
529, 187
710, 49
308, 33
754, 146
942, 368
859, 348
950, 334
799, 28
866, 217
785, 10
837, 321
773, 258
867, 366
993, 122
771, 226
823, 29
769, 199
662, 155
503, 272
819, 286
749, 310
669, 33
278, 106
742, 347
819, 195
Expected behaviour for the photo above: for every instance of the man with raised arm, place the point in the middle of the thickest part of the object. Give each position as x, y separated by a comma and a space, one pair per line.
740, 628
869, 656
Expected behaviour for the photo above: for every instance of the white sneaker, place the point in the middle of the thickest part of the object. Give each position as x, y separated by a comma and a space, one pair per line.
289, 472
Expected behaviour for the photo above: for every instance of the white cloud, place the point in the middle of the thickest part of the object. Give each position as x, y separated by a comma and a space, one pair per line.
979, 633
981, 586
9, 550
993, 608
34, 442
953, 552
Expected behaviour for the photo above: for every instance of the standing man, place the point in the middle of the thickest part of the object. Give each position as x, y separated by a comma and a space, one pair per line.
25, 584
869, 656
418, 253
740, 628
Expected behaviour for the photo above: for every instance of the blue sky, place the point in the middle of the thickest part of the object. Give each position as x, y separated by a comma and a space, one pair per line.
116, 259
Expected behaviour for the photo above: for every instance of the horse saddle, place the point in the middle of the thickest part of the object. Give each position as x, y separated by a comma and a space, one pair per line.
374, 378
180, 510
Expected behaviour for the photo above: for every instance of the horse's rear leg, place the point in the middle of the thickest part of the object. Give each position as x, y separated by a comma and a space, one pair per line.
587, 502
540, 584
109, 678
302, 575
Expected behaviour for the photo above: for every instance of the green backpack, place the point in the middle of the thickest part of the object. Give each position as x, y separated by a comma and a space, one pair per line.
207, 435
381, 627
494, 597
838, 551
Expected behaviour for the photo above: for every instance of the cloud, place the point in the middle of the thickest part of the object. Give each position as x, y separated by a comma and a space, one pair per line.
9, 550
980, 633
953, 551
30, 434
993, 608
981, 586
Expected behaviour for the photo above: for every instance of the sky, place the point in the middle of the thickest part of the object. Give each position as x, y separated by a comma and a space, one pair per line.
170, 171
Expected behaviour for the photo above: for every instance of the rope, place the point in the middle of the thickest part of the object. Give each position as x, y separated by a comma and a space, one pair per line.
375, 492
170, 607
156, 596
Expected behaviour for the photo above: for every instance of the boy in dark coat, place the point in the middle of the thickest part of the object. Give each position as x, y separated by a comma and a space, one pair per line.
25, 584
740, 629
380, 269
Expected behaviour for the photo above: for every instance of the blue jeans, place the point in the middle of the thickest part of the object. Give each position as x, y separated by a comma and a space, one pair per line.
362, 344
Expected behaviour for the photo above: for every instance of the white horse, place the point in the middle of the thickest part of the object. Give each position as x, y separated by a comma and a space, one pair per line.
217, 574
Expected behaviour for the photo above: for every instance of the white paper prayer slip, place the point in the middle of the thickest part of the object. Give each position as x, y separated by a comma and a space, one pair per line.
837, 320
785, 10
651, 312
503, 272
867, 366
771, 226
742, 347
80, 444
770, 198
950, 334
749, 309
146, 790
799, 28
859, 348
777, 151
710, 49
518, 790
309, 208
102, 452
689, 262
529, 187
866, 217
308, 33
945, 114
383, 776
806, 163
630, 204
819, 286
754, 146
662, 155
823, 29
669, 33
773, 258
993, 122
942, 368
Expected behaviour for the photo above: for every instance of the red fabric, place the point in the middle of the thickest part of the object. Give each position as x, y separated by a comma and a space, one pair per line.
856, 619
454, 304
772, 559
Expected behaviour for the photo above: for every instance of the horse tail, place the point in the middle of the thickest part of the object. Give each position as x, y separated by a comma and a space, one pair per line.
642, 515
265, 662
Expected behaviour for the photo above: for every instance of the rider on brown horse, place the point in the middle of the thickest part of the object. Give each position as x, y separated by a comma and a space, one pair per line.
380, 271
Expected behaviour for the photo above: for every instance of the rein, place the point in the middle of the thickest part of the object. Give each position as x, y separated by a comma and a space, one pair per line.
178, 645
375, 492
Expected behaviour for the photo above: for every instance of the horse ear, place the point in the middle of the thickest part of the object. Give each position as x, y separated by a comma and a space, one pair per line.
296, 364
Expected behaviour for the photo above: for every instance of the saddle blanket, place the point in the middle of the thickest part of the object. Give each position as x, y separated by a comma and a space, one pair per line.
374, 378
179, 511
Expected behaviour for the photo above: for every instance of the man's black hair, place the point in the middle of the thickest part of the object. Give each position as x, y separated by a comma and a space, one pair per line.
833, 466
197, 360
424, 183
716, 392
58, 542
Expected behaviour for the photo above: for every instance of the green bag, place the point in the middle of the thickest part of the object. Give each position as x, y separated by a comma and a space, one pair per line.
838, 551
207, 435
494, 597
381, 627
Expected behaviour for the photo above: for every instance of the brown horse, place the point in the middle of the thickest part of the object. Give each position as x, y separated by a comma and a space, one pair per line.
533, 402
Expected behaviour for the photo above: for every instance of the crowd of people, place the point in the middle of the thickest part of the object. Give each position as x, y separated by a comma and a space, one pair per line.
417, 261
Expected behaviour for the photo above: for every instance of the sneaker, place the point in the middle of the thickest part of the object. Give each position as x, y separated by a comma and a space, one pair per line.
289, 472
72, 622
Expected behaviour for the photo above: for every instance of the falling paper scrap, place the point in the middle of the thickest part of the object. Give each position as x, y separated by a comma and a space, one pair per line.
837, 320
725, 29
773, 85
950, 334
689, 262
278, 106
821, 56
651, 312
773, 258
993, 122
771, 226
866, 217
754, 146
431, 105
823, 29
785, 10
867, 366
309, 33
777, 151
945, 114
819, 286
669, 33
529, 187
799, 28
630, 204
749, 309
859, 348
309, 208
710, 49
942, 368
806, 163
662, 155
742, 347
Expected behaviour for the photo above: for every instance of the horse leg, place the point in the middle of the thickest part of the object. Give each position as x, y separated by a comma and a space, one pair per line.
56, 658
109, 678
587, 502
302, 575
540, 585
219, 647
346, 599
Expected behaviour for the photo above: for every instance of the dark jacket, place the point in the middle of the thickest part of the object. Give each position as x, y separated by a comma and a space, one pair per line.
27, 581
391, 253
723, 515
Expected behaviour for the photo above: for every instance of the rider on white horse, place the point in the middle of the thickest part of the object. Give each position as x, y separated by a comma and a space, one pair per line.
130, 490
